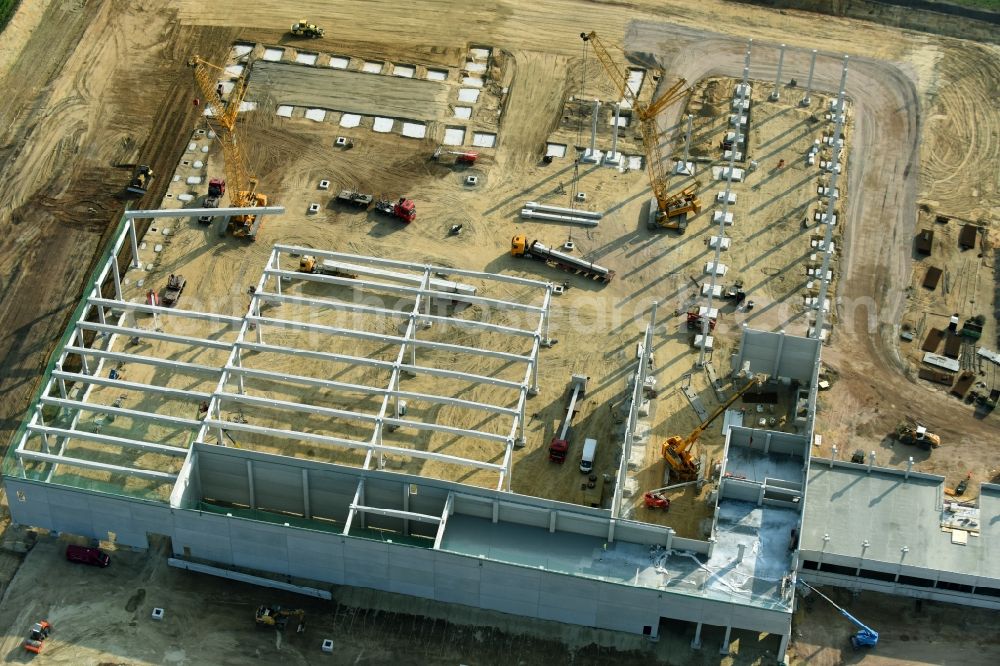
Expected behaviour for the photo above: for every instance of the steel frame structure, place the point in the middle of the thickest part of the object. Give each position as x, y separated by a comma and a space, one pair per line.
234, 381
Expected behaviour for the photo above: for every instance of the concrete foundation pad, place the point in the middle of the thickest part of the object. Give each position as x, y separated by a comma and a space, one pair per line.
414, 130
594, 157
274, 55
484, 139
454, 136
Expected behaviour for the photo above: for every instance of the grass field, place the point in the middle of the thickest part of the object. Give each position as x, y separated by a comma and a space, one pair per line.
7, 8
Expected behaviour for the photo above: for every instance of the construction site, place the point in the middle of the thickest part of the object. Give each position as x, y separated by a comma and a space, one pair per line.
547, 332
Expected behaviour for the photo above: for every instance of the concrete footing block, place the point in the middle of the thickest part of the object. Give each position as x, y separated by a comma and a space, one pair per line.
157, 614
327, 646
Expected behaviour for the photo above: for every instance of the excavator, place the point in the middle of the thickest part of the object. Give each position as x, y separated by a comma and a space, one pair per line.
242, 185
671, 209
277, 617
676, 450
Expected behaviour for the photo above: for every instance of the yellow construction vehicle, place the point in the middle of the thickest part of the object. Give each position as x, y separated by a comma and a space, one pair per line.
671, 210
277, 617
241, 184
676, 450
917, 435
306, 29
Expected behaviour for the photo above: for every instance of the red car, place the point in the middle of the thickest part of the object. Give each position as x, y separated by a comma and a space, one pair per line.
85, 555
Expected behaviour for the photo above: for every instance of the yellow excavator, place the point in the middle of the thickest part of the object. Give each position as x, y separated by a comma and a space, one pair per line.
676, 450
277, 617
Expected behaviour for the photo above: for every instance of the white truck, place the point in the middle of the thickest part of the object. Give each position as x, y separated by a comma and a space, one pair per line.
587, 458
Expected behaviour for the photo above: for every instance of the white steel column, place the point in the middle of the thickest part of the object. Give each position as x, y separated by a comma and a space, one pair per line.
831, 209
776, 94
135, 244
710, 296
807, 100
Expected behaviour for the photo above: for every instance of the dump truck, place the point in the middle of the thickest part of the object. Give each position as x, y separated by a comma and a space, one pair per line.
403, 209
559, 445
355, 198
172, 292
520, 247
141, 178
216, 188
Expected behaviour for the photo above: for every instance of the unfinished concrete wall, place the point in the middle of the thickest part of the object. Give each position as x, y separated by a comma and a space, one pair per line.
336, 559
779, 355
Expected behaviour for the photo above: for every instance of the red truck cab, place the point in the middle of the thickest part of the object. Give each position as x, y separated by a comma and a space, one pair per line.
85, 555
557, 450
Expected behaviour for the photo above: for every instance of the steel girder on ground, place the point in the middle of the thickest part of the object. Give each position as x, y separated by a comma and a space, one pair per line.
101, 322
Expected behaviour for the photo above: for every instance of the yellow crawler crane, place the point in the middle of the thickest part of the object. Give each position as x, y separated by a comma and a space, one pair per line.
672, 210
242, 185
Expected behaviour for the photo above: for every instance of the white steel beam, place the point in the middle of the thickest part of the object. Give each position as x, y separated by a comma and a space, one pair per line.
110, 329
436, 427
180, 366
120, 411
386, 312
400, 289
371, 390
126, 306
448, 504
183, 394
108, 439
395, 513
91, 464
346, 443
196, 212
379, 261
387, 339
355, 416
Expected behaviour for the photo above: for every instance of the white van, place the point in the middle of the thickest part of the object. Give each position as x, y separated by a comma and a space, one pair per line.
587, 459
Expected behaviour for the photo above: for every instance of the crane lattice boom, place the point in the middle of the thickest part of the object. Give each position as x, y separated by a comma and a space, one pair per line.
242, 184
647, 117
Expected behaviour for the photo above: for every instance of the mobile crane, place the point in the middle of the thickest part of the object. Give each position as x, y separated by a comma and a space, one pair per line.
671, 209
677, 450
865, 637
242, 185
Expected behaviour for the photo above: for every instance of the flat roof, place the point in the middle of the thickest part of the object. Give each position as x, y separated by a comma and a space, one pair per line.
889, 511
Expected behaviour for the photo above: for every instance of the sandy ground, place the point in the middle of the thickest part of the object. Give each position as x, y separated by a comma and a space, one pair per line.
350, 92
78, 76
